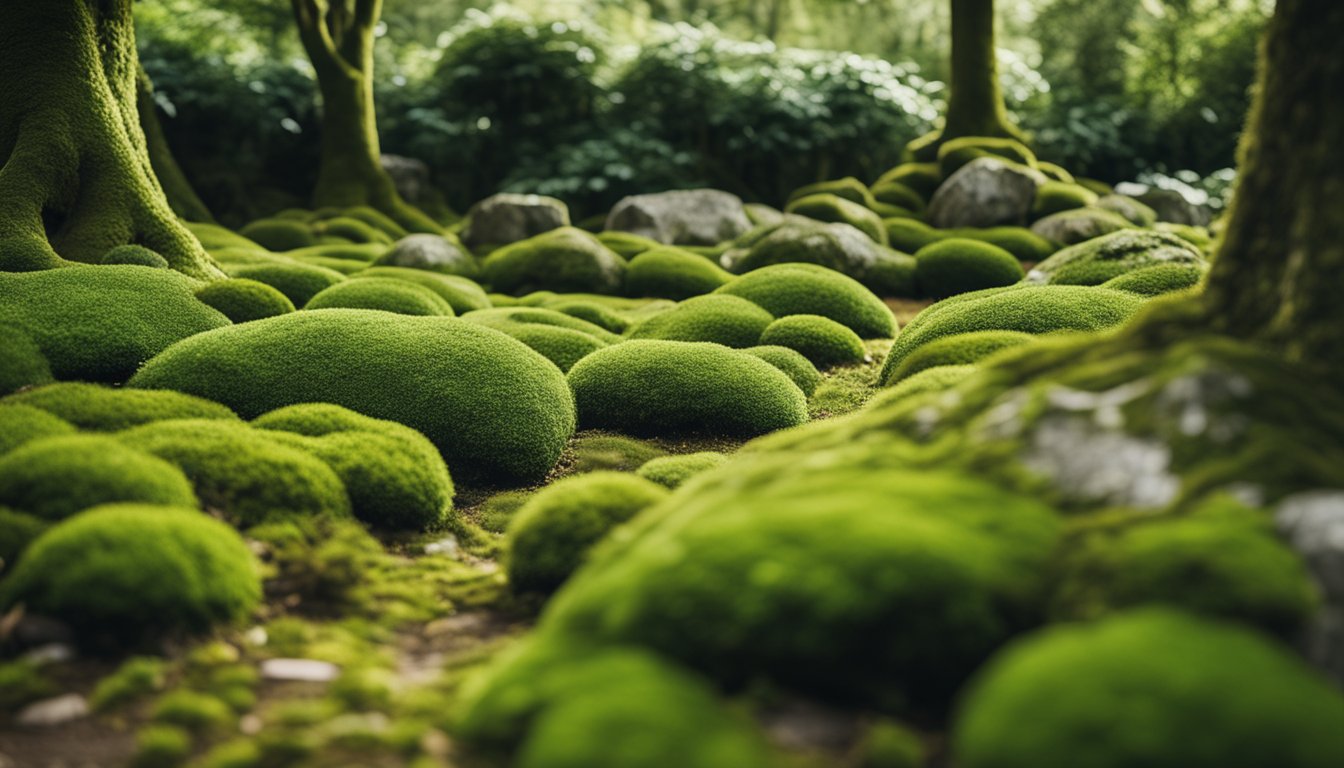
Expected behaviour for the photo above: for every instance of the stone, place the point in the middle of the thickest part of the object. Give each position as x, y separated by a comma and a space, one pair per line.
1134, 211
434, 253
1172, 206
54, 711
1095, 261
299, 670
1079, 225
682, 217
410, 176
1313, 524
832, 245
507, 218
986, 192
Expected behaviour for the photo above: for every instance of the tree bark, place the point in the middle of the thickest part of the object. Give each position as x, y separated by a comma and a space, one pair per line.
182, 198
77, 178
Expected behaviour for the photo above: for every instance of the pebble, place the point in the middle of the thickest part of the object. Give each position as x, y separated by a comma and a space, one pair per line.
51, 653
299, 670
53, 711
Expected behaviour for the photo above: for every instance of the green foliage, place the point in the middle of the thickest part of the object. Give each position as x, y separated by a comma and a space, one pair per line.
489, 403
808, 289
241, 300
552, 533
107, 409
24, 364
134, 254
125, 573
672, 273
560, 338
722, 319
1096, 261
957, 349
958, 265
279, 234
672, 471
564, 259
1151, 687
824, 342
647, 386
1055, 196
793, 363
299, 282
388, 294
462, 293
833, 208
1157, 279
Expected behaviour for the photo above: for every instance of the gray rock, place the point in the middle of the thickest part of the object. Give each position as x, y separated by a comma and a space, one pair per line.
430, 252
507, 218
1095, 261
1079, 225
1134, 211
299, 670
833, 245
54, 711
1313, 524
410, 176
1170, 205
986, 192
682, 217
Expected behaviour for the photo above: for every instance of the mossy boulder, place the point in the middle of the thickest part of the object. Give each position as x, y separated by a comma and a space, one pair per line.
241, 300
137, 255
1134, 211
1158, 279
824, 342
388, 294
722, 319
279, 234
552, 533
24, 364
443, 254
20, 424
627, 244
985, 192
957, 153
560, 338
673, 471
122, 574
99, 323
299, 282
488, 402
793, 363
909, 235
958, 349
1079, 225
351, 229
673, 273
923, 178
1055, 196
647, 386
897, 194
564, 259
96, 408
1096, 261
958, 265
833, 208
809, 289
591, 311
1154, 688
463, 294
938, 378
507, 218
848, 188
835, 246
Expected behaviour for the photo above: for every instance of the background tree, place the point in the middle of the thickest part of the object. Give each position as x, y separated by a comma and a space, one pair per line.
182, 197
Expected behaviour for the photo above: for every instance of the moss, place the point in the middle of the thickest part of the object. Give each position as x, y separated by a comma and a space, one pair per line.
1098, 260
836, 246
489, 403
793, 363
196, 712
821, 340
161, 746
957, 349
848, 188
1019, 241
673, 471
123, 573
299, 282
1057, 172
376, 219
592, 312
1155, 688
955, 153
550, 536
495, 513
957, 265
627, 244
24, 365
463, 294
388, 294
279, 234
923, 178
22, 681
560, 338
1136, 212
241, 300
20, 424
442, 254
1055, 196
17, 531
358, 254
670, 386
1200, 237
909, 235
351, 229
98, 323
891, 745
722, 319
1157, 279
832, 208
564, 259
935, 379
597, 451
137, 255
136, 678
213, 236
106, 409
897, 194
672, 273
1079, 225
808, 289
54, 477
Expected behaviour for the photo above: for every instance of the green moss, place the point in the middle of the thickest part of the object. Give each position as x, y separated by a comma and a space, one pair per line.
1098, 260
22, 681
299, 282
196, 712
489, 403
923, 178
592, 452
1154, 688
358, 254
376, 219
351, 229
957, 349
1079, 225
955, 153
497, 511
1157, 279
1136, 212
898, 194
793, 363
673, 471
670, 386
24, 364
1019, 241
848, 188
627, 244
137, 255
808, 289
463, 294
54, 477
106, 409
564, 259
909, 235
98, 323
892, 745
20, 424
592, 312
836, 246
388, 294
550, 536
123, 573
832, 208
161, 746
136, 678
560, 338
241, 300
722, 319
213, 236
17, 531
935, 379
821, 340
1200, 237
957, 265
1055, 196
1057, 173
279, 234
672, 273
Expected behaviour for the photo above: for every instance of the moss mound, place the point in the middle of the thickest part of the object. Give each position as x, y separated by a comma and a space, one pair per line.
848, 188
627, 244
792, 363
808, 289
836, 246
552, 533
351, 229
909, 235
564, 259
279, 234
462, 293
1153, 688
1079, 225
957, 349
821, 340
595, 451
560, 338
832, 208
137, 255
21, 423
959, 265
1097, 261
17, 531
935, 379
672, 273
24, 364
383, 293
1024, 244
97, 323
125, 573
955, 153
106, 409
1157, 280
722, 319
1055, 196
489, 403
897, 194
241, 300
923, 178
647, 386
673, 471
601, 315
52, 478
299, 282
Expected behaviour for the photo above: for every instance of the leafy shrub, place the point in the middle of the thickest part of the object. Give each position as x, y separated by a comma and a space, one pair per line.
97, 408
672, 471
793, 363
241, 300
821, 340
388, 294
958, 265
564, 259
672, 273
721, 319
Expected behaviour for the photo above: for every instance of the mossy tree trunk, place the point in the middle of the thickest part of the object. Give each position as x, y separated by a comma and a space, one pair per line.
975, 103
338, 37
1279, 273
182, 198
77, 178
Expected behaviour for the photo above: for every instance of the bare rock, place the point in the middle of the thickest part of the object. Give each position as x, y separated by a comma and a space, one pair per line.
434, 253
299, 670
986, 192
682, 217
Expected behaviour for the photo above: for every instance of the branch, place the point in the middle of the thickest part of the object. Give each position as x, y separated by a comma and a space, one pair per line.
315, 37
357, 44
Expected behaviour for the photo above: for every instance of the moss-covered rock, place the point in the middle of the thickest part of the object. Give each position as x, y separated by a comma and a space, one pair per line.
848, 188
833, 208
1019, 241
1098, 260
388, 294
488, 402
938, 378
836, 246
560, 338
464, 294
564, 259
1134, 211
672, 273
1079, 225
21, 423
897, 194
1157, 279
137, 255
793, 363
99, 323
957, 349
808, 289
552, 533
591, 311
351, 229
722, 319
96, 408
955, 153
673, 471
241, 300
627, 244
1055, 196
125, 573
437, 253
647, 386
1154, 688
299, 282
821, 340
24, 364
923, 178
958, 265
279, 234
52, 478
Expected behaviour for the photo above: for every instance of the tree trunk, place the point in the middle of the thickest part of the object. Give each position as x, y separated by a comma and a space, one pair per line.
339, 40
1279, 273
77, 179
182, 198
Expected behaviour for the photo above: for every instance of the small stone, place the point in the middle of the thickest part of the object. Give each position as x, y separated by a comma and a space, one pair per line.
250, 724
299, 670
51, 653
434, 253
445, 546
507, 218
681, 217
256, 636
53, 711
